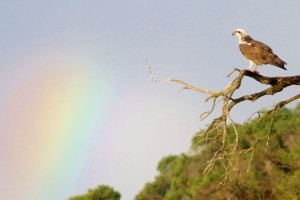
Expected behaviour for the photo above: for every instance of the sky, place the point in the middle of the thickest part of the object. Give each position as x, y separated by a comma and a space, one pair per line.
78, 106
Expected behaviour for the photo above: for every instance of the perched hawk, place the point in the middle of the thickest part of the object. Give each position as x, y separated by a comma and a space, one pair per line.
257, 52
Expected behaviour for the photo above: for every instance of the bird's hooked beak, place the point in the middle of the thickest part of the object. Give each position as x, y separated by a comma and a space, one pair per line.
233, 33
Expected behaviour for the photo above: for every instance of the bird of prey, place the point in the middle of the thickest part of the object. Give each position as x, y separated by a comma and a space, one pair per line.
257, 52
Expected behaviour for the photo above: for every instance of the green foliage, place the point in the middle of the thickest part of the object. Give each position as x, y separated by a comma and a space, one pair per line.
274, 169
166, 164
102, 192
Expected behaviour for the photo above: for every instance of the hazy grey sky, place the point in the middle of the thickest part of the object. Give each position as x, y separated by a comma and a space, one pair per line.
78, 107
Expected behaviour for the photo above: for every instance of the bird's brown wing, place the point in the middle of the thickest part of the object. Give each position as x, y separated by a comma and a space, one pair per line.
258, 52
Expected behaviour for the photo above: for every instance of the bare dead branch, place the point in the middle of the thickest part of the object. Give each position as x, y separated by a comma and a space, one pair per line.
236, 141
233, 70
182, 83
258, 115
207, 113
153, 79
217, 131
190, 87
274, 111
283, 103
277, 85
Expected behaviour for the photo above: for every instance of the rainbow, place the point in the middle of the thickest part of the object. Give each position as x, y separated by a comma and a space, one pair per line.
53, 113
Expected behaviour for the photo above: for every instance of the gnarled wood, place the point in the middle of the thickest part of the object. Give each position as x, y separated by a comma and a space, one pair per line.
219, 125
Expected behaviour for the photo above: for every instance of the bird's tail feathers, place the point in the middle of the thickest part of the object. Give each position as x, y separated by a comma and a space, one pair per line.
279, 63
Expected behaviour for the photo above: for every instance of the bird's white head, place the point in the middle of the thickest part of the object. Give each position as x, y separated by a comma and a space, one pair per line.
240, 33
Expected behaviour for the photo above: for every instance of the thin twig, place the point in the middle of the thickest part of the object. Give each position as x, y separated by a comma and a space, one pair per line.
207, 113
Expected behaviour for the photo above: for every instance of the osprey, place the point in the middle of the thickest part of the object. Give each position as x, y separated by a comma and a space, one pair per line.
257, 52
